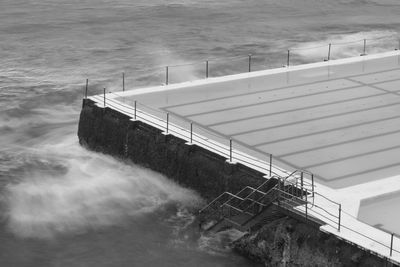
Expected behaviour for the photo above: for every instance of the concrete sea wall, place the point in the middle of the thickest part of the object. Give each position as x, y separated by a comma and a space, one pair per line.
285, 242
111, 132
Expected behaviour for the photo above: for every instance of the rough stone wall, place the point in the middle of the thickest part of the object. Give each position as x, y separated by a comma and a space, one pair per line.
290, 242
110, 132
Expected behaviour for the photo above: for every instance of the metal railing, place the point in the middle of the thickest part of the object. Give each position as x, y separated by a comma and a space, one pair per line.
163, 121
228, 205
221, 66
238, 195
300, 180
284, 192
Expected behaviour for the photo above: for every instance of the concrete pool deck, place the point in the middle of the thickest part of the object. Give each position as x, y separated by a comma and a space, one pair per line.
339, 120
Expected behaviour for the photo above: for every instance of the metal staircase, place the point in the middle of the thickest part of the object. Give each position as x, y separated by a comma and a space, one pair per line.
253, 207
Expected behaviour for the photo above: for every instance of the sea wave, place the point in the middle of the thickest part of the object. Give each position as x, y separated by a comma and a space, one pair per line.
347, 45
90, 190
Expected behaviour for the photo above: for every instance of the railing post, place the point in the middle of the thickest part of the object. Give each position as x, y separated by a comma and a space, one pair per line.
270, 165
306, 205
301, 180
288, 58
329, 52
293, 189
279, 191
167, 121
365, 48
207, 69
135, 109
391, 244
191, 132
312, 183
104, 97
249, 62
340, 216
230, 149
123, 81
166, 75
87, 85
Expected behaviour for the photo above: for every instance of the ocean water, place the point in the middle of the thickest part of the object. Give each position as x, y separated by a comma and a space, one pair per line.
61, 205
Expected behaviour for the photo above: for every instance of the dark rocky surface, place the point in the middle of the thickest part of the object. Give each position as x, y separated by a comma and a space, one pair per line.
289, 242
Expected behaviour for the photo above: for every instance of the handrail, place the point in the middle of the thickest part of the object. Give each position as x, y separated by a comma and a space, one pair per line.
310, 215
305, 171
243, 189
232, 207
162, 126
266, 182
256, 190
328, 212
242, 210
253, 191
225, 149
306, 203
297, 186
242, 199
226, 204
266, 194
362, 42
200, 139
354, 231
216, 199
296, 171
330, 200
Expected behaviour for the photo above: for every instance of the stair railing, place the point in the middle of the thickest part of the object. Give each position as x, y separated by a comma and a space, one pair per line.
299, 180
237, 195
217, 203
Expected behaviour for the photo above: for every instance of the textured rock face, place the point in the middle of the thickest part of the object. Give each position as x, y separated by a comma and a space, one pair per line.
288, 242
113, 133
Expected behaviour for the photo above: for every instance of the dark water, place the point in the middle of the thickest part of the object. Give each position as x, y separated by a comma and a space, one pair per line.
64, 206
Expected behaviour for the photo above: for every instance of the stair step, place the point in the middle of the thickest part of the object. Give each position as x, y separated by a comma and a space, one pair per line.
268, 215
241, 219
220, 226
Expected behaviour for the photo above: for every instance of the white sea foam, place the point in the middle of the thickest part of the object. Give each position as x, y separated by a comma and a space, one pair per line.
179, 69
218, 243
347, 45
94, 191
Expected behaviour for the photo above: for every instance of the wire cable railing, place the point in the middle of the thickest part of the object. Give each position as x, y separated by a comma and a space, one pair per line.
163, 121
227, 150
214, 66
